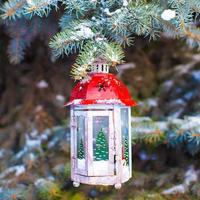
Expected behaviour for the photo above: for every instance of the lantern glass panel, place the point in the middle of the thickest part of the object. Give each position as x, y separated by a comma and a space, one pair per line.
125, 135
100, 138
81, 142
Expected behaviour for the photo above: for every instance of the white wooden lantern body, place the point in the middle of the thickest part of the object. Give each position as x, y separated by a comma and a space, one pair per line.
114, 170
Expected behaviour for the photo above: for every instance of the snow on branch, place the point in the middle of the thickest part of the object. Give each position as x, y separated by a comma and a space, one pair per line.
113, 21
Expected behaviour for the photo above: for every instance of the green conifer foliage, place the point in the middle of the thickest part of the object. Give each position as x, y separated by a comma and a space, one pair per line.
81, 152
98, 29
101, 151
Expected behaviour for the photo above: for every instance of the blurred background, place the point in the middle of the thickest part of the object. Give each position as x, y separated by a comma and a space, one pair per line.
163, 76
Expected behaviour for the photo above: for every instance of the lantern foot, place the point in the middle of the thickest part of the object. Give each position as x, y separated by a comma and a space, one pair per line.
118, 186
76, 184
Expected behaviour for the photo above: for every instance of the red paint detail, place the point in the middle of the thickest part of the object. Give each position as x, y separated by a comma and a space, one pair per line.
90, 92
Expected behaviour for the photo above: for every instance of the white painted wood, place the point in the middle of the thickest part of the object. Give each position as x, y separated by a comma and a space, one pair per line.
86, 142
111, 144
118, 143
130, 142
90, 167
72, 123
94, 107
79, 170
100, 68
98, 180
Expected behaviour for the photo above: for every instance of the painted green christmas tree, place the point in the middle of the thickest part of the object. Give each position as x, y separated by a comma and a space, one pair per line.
81, 153
101, 151
126, 151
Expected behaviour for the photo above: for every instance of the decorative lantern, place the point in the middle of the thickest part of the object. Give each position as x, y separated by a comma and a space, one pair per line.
100, 130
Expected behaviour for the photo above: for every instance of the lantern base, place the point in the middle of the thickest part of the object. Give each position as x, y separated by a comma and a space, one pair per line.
99, 180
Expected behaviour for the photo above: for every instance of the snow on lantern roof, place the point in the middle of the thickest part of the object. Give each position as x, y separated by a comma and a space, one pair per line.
100, 88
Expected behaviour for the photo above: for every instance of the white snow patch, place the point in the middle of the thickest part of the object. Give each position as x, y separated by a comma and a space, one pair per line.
30, 157
40, 182
168, 14
2, 152
77, 101
145, 130
191, 175
35, 2
99, 39
125, 3
168, 84
18, 170
60, 98
21, 153
196, 75
83, 31
104, 101
190, 122
162, 125
32, 143
86, 79
38, 108
195, 119
178, 102
177, 113
153, 102
34, 133
42, 84
176, 189
140, 119
44, 135
107, 11
109, 101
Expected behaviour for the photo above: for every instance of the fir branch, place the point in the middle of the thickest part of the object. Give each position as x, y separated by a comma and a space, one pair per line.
194, 136
113, 54
65, 21
189, 33
12, 9
16, 50
117, 21
72, 40
65, 42
110, 53
79, 8
22, 33
139, 19
40, 7
176, 134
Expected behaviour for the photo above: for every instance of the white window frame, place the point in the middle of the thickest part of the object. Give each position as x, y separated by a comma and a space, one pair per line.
78, 170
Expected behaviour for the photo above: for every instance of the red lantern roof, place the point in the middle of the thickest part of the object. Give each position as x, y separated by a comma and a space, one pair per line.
100, 88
